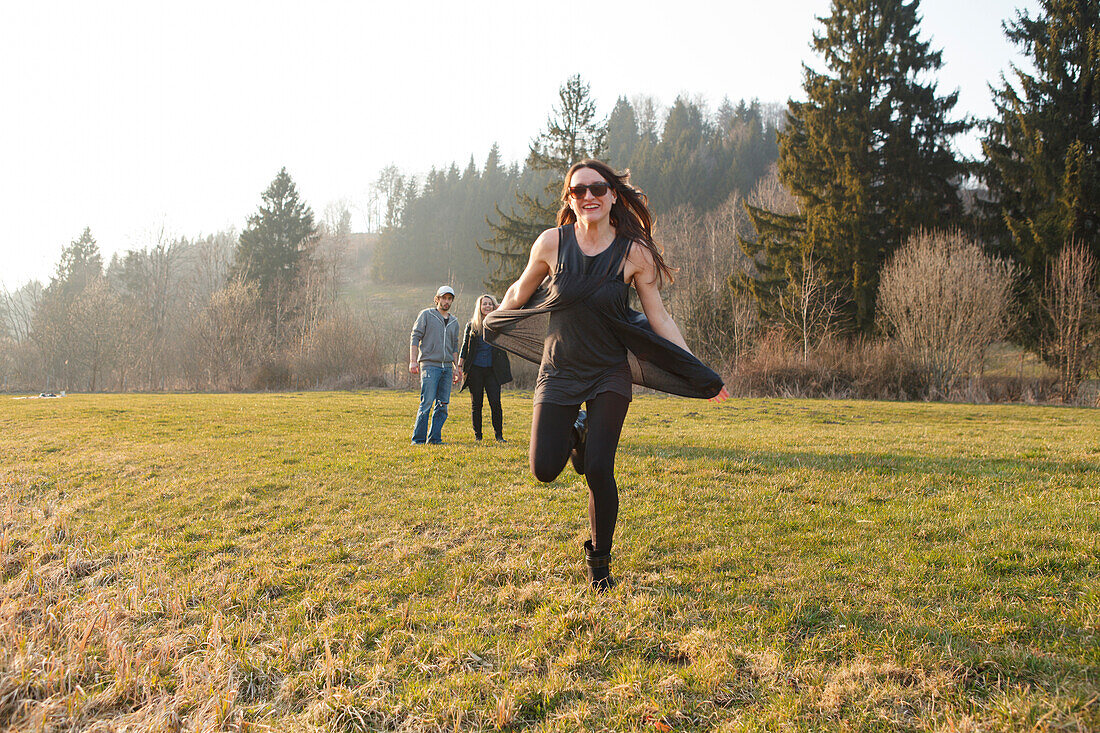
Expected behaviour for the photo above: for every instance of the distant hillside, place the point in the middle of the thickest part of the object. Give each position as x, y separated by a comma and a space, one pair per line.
360, 256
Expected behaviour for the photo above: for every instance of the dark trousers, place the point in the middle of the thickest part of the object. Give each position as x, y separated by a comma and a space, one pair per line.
552, 440
481, 380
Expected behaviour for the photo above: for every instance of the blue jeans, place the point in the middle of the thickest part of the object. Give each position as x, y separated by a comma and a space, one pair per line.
435, 387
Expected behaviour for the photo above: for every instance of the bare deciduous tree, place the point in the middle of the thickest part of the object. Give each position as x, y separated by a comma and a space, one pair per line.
151, 282
1070, 300
228, 341
805, 303
945, 301
18, 310
717, 322
97, 331
389, 189
649, 113
210, 262
331, 252
770, 193
338, 352
809, 307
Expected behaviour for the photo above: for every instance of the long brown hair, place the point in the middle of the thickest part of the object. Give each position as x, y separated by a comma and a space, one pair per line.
478, 319
630, 213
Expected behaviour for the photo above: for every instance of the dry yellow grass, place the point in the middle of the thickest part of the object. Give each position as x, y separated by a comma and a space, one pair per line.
288, 562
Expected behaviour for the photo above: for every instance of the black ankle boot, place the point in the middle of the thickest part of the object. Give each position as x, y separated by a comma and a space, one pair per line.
580, 437
598, 567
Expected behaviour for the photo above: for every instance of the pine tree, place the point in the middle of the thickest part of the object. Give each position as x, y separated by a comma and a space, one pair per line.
57, 329
492, 162
471, 173
622, 134
867, 156
686, 170
275, 245
81, 263
750, 142
1043, 147
572, 133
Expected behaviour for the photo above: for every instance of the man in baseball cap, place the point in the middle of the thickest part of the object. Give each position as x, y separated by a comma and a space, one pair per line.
433, 351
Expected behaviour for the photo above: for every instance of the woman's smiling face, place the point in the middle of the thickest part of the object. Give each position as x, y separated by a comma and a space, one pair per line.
588, 207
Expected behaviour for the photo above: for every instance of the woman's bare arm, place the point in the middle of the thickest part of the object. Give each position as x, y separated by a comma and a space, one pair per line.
543, 252
640, 264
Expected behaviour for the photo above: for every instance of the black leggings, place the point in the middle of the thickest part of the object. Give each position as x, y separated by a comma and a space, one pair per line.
552, 440
479, 380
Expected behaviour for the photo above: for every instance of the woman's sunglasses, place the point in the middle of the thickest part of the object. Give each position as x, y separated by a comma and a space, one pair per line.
597, 189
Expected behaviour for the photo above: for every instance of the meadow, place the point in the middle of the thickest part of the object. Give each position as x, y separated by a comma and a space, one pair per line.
289, 562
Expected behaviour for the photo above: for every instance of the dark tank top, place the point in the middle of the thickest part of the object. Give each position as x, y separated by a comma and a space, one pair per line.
578, 327
582, 356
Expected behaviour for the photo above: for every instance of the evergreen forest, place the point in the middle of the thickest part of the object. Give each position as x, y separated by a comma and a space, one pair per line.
685, 155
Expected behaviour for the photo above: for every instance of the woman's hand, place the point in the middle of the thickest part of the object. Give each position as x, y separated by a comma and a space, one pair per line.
722, 396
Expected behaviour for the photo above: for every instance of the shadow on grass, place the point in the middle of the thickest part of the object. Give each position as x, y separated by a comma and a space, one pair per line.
758, 461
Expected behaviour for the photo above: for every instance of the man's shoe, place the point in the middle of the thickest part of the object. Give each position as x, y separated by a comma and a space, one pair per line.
580, 438
500, 439
598, 568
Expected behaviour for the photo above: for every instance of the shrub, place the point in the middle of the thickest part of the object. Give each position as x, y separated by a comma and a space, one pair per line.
338, 351
862, 369
834, 368
270, 375
945, 301
226, 344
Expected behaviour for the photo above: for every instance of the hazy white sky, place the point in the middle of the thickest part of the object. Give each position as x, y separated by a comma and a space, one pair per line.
139, 118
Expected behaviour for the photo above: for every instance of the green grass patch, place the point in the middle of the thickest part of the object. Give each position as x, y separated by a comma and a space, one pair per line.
290, 561
406, 299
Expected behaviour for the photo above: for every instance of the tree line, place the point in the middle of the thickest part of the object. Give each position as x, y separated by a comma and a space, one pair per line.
229, 311
868, 162
433, 229
842, 223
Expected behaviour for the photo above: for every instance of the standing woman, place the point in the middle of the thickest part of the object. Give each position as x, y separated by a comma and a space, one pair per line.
486, 368
569, 313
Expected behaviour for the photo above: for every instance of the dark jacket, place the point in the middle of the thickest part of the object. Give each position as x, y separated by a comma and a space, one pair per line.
502, 368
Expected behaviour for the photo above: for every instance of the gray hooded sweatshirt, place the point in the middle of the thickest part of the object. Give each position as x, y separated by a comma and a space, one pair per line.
436, 339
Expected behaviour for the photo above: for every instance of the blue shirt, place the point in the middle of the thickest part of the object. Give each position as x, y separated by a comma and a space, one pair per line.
483, 355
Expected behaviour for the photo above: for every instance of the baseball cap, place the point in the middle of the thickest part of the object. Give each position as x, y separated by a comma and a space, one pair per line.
444, 290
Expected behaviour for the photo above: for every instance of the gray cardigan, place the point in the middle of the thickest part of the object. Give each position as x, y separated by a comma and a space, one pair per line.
436, 339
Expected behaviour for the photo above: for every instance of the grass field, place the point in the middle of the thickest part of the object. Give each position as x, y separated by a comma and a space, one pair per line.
407, 300
290, 562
